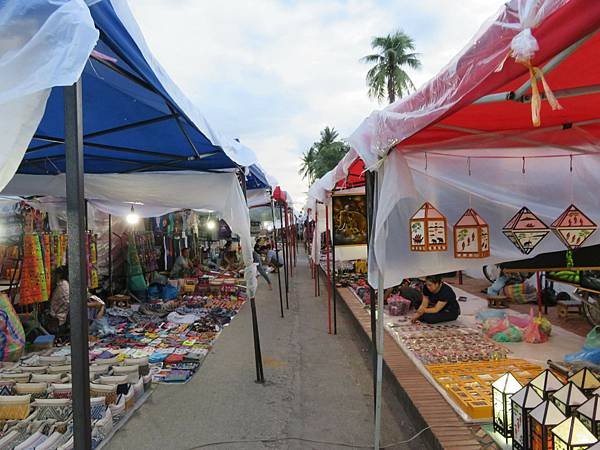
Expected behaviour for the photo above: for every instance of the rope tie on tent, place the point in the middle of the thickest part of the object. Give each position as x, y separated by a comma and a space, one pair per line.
536, 73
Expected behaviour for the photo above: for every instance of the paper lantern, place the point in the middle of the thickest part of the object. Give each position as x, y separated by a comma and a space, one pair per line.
471, 236
546, 384
573, 227
541, 421
589, 415
568, 398
522, 403
571, 434
502, 389
428, 230
585, 380
525, 230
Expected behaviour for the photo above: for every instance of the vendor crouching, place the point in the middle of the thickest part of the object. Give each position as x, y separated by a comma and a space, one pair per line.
439, 302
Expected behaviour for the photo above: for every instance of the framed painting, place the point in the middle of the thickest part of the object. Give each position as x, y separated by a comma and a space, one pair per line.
349, 219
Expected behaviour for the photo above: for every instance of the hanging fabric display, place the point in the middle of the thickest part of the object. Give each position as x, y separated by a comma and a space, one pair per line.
471, 236
525, 230
573, 227
33, 279
428, 230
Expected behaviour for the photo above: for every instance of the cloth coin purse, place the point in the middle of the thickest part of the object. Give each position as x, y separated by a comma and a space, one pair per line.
118, 409
54, 440
97, 407
37, 369
35, 440
6, 387
131, 372
14, 407
55, 360
102, 429
46, 378
60, 409
60, 390
36, 390
17, 377
108, 391
62, 369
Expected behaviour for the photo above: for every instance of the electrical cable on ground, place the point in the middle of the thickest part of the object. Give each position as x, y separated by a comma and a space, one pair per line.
312, 441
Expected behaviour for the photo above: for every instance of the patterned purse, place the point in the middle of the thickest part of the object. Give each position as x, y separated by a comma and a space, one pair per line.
14, 407
60, 409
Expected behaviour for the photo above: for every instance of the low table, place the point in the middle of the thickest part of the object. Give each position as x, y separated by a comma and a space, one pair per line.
497, 301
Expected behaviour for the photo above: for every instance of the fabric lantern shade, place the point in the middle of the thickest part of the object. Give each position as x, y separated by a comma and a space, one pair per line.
471, 236
502, 389
573, 227
568, 398
589, 415
571, 434
522, 403
428, 230
525, 230
585, 380
546, 384
541, 421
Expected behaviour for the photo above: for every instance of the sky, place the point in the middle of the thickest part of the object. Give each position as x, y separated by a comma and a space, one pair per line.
273, 73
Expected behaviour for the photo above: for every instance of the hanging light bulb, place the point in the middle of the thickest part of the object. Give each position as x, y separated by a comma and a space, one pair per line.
132, 217
210, 224
268, 225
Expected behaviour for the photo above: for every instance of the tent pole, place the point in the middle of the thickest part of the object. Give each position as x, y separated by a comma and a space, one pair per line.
370, 192
110, 276
316, 251
329, 286
380, 301
288, 241
82, 430
285, 259
538, 278
277, 256
260, 376
332, 280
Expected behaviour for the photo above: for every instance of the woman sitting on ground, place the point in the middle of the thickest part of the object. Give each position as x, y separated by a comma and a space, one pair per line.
439, 302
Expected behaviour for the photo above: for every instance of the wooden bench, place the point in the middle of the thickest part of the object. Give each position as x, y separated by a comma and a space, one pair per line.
566, 307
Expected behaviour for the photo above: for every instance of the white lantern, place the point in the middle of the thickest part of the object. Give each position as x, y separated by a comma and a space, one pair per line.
568, 398
546, 384
502, 389
585, 380
572, 435
523, 402
541, 421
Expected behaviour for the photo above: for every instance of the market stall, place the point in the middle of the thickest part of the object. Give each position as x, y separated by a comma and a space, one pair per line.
119, 113
479, 166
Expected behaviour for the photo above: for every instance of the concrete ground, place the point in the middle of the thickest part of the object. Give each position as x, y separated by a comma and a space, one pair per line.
319, 387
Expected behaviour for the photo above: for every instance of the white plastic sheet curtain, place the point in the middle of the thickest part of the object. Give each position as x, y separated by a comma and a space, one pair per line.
383, 129
495, 188
162, 192
43, 44
258, 197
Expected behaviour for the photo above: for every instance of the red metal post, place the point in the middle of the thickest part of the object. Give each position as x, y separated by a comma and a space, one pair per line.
328, 269
538, 278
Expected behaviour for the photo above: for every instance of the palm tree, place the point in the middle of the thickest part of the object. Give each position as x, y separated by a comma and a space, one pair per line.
307, 168
388, 75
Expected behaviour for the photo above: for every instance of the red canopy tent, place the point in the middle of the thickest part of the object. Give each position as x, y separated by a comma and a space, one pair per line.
355, 177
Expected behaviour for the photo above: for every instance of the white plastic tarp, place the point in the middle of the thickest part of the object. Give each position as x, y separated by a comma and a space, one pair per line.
258, 197
43, 44
495, 188
163, 192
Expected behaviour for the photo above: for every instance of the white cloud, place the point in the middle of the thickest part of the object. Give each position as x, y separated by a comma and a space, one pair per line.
274, 73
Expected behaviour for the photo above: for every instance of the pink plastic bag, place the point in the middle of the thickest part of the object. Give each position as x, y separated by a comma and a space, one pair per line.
533, 334
520, 322
496, 326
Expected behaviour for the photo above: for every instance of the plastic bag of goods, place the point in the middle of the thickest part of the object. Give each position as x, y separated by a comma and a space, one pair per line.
510, 334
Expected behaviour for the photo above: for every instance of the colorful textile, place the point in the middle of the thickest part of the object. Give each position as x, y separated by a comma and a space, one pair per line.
12, 335
520, 293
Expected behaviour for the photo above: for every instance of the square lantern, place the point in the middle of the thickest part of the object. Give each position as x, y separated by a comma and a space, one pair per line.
568, 398
522, 403
573, 227
471, 236
428, 230
585, 380
525, 230
502, 389
571, 434
541, 421
546, 384
589, 415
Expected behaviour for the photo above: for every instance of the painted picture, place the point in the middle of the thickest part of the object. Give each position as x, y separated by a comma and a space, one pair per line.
467, 240
350, 219
417, 233
436, 232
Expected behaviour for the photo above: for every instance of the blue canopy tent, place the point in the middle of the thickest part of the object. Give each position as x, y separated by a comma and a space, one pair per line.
256, 178
123, 115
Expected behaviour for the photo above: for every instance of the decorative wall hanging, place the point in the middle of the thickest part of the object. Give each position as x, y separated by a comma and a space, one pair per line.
471, 236
573, 227
525, 230
428, 230
349, 219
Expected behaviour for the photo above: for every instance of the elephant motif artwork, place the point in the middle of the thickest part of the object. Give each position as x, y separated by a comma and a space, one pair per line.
349, 219
428, 230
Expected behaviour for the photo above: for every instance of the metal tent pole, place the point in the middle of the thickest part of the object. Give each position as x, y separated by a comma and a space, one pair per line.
329, 285
277, 256
316, 251
285, 259
370, 191
333, 273
82, 429
380, 301
110, 261
260, 376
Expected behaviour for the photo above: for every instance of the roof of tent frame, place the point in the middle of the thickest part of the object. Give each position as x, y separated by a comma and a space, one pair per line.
134, 118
